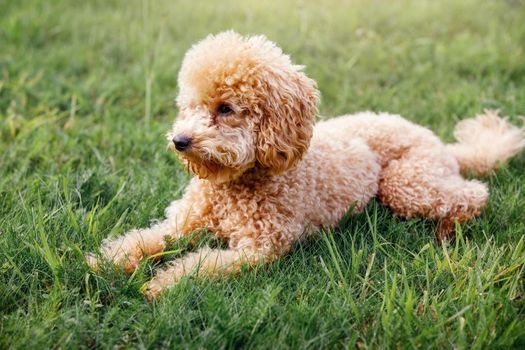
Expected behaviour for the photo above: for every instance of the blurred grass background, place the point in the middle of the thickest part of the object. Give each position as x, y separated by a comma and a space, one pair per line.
86, 95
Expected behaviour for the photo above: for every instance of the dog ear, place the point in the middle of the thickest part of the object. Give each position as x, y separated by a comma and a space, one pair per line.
288, 109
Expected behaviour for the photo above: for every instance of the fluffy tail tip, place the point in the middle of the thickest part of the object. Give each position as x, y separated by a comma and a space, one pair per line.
485, 142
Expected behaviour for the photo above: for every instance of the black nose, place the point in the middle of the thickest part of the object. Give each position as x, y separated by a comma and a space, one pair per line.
181, 142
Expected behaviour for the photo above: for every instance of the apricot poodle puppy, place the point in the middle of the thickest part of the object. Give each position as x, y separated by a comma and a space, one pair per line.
265, 177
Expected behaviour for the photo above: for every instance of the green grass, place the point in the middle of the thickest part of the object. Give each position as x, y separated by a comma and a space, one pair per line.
86, 91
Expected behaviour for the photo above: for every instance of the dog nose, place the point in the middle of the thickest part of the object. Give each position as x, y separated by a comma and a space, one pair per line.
181, 142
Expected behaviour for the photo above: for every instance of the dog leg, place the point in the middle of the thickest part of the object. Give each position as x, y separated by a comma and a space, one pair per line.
430, 186
204, 262
128, 250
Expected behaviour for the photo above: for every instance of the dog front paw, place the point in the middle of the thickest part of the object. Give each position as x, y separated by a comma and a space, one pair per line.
127, 262
92, 261
152, 290
123, 251
164, 279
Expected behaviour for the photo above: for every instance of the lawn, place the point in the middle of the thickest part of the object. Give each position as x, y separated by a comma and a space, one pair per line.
86, 96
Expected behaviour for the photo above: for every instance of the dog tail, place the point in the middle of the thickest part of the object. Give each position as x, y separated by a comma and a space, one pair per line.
485, 142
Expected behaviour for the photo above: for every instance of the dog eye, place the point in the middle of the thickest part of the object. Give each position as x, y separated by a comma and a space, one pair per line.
224, 109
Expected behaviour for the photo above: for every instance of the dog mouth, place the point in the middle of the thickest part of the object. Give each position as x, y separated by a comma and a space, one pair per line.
198, 162
204, 166
217, 164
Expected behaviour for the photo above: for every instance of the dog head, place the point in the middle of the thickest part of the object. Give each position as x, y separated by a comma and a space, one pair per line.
242, 104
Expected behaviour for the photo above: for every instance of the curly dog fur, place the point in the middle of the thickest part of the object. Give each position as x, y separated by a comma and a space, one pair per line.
265, 177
